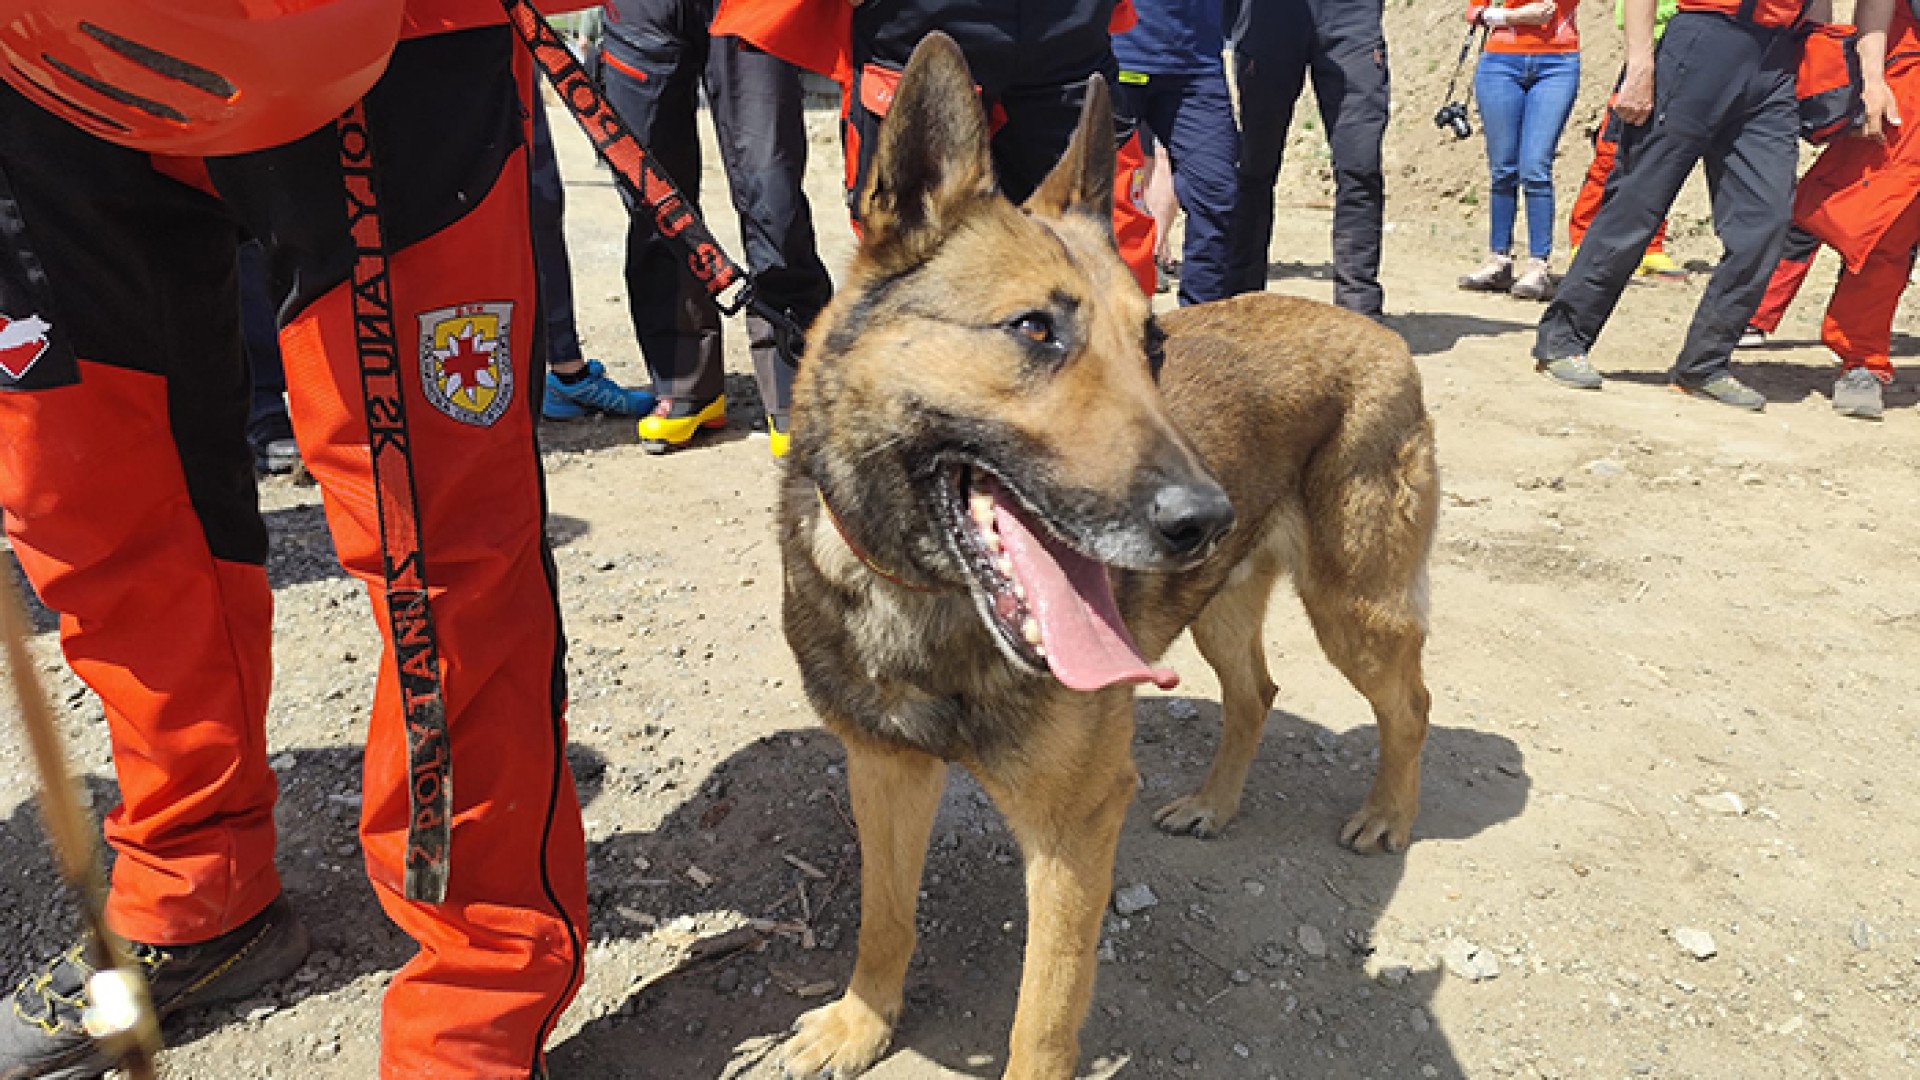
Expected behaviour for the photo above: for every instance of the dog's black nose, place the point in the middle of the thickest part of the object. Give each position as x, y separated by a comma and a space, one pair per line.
1188, 518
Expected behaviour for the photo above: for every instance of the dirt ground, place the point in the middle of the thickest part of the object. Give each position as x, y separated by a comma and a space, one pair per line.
1673, 665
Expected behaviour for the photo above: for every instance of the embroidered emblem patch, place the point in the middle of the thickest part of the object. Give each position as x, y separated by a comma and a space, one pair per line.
22, 343
465, 366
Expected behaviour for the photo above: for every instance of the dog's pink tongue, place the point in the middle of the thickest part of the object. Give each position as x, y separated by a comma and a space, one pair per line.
1088, 646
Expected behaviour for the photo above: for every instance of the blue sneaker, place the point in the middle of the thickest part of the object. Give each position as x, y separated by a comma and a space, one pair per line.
594, 394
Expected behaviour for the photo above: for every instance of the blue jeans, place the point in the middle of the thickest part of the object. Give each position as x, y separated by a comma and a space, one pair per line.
1524, 103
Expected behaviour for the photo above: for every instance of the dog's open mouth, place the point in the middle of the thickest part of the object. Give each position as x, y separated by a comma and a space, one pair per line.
1052, 606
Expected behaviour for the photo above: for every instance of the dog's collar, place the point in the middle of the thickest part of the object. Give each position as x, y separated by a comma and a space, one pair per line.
860, 553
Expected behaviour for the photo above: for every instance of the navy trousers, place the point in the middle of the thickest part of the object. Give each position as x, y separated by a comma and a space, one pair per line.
1193, 116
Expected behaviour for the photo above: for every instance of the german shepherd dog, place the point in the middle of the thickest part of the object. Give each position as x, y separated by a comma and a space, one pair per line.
1009, 486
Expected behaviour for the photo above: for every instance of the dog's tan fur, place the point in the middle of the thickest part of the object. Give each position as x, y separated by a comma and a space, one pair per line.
1309, 417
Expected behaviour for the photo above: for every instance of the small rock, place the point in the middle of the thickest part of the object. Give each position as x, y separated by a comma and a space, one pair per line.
1723, 802
1182, 709
1241, 976
728, 981
1312, 941
1862, 935
1468, 961
1604, 467
1395, 974
1418, 1021
1696, 943
1254, 888
1133, 899
1183, 1054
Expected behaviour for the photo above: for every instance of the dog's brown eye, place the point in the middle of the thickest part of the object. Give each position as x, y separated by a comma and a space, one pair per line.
1035, 326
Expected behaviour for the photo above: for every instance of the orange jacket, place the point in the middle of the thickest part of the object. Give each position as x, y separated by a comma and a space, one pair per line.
425, 17
818, 34
1857, 187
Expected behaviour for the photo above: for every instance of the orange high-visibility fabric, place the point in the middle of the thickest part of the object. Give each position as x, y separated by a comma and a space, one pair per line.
1858, 326
172, 639
501, 957
1858, 188
94, 480
1593, 190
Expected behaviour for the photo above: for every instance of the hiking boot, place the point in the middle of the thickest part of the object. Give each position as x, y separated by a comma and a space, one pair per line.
1726, 390
592, 393
1572, 372
1660, 264
1535, 284
40, 1028
1751, 338
674, 422
1494, 275
1857, 393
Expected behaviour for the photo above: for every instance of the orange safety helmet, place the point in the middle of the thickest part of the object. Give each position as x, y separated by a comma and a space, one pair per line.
196, 77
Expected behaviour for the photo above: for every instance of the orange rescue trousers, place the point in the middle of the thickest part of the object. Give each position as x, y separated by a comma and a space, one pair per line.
129, 501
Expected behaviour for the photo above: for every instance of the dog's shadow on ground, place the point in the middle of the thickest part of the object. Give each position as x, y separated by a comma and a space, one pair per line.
1218, 978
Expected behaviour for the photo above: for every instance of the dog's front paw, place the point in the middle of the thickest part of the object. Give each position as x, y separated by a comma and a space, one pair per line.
1193, 815
840, 1040
1378, 828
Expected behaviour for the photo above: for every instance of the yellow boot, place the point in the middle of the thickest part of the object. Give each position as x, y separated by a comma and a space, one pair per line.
673, 423
777, 438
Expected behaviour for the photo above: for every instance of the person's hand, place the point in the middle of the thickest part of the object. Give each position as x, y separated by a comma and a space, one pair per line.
1880, 110
1634, 103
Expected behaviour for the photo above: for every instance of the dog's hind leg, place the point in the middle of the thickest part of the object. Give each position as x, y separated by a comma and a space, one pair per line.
895, 792
1065, 793
1228, 634
1375, 642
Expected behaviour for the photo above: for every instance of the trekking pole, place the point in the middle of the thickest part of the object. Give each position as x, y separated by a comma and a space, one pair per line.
645, 184
119, 1013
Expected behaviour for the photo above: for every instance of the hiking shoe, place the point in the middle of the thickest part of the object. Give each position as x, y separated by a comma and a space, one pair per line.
1572, 372
1494, 275
593, 393
1660, 264
674, 422
1751, 338
271, 436
1535, 284
40, 1028
1726, 390
1857, 393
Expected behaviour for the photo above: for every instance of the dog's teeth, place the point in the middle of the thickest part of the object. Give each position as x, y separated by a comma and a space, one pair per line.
981, 506
1004, 565
1031, 631
992, 540
1020, 590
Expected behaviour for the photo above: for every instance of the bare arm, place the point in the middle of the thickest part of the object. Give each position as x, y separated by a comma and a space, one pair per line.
1635, 101
1872, 17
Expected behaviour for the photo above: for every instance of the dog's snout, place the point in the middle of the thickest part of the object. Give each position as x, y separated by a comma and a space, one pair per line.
1189, 518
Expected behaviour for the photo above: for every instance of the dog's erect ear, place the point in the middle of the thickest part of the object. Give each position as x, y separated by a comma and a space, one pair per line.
933, 158
1083, 180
